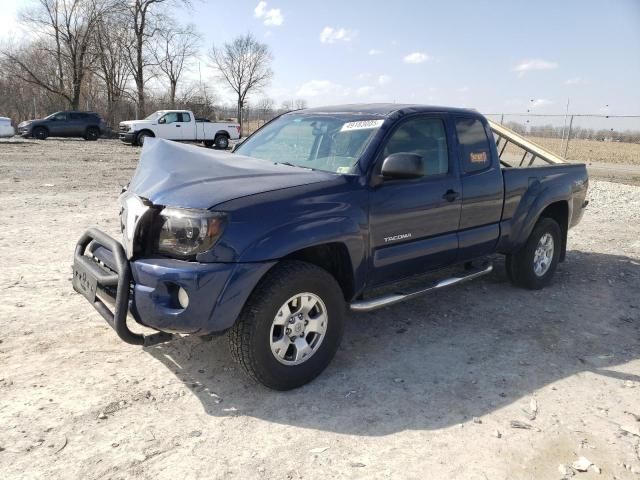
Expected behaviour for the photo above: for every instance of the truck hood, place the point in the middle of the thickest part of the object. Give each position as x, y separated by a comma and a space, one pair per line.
137, 122
187, 176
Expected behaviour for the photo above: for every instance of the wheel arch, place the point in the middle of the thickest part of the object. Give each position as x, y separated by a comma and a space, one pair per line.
40, 127
146, 130
540, 200
559, 211
223, 133
332, 257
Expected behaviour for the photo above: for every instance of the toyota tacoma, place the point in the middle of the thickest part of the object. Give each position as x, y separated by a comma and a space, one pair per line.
322, 211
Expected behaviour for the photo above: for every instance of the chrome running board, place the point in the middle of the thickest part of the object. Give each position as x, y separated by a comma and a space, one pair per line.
391, 298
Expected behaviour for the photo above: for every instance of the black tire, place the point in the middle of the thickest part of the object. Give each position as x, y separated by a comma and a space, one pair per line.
40, 133
92, 134
521, 266
142, 136
221, 142
208, 143
251, 336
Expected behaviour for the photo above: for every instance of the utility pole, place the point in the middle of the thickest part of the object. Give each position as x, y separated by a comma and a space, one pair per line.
566, 147
564, 125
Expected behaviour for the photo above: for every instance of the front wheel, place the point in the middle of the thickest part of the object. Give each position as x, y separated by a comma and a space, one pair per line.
40, 133
92, 134
142, 136
290, 327
222, 142
535, 263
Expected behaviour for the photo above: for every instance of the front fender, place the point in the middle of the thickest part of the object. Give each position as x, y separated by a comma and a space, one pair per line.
298, 235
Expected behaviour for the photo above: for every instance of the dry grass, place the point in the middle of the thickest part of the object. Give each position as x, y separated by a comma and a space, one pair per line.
593, 150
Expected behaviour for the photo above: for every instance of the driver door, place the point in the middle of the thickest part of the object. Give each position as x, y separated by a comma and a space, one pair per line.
169, 126
414, 222
58, 125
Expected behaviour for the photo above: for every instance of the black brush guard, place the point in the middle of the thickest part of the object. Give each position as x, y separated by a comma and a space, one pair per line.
89, 277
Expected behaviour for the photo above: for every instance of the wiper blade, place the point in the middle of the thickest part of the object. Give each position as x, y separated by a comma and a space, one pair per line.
293, 165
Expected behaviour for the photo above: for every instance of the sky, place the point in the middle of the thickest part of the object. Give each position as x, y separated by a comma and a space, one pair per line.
499, 56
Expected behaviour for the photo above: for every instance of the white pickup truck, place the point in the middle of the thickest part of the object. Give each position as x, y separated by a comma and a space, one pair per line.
180, 125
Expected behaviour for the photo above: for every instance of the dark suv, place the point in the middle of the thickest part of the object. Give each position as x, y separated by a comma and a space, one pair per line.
87, 125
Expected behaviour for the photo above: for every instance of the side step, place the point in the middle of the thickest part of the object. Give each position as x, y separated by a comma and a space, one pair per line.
390, 299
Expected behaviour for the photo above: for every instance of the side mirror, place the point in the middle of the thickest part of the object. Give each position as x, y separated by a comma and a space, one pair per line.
402, 165
162, 120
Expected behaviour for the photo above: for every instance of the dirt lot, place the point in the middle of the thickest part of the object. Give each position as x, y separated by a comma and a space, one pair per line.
425, 389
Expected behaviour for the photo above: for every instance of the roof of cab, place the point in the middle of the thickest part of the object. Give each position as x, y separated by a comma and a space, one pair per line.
384, 109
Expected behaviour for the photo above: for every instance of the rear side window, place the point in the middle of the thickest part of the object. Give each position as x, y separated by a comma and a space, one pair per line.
185, 117
473, 144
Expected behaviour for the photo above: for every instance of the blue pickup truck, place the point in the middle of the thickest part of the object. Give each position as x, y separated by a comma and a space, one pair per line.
320, 211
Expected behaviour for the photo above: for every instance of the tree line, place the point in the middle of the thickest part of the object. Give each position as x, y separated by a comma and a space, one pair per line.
126, 59
577, 132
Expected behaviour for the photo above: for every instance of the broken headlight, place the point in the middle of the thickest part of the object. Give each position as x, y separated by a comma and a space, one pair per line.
184, 233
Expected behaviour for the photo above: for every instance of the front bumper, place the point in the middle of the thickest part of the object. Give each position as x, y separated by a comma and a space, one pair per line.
127, 137
148, 288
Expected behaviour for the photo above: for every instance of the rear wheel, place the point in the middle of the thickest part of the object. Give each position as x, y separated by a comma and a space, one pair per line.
534, 265
40, 133
141, 137
92, 134
291, 326
222, 142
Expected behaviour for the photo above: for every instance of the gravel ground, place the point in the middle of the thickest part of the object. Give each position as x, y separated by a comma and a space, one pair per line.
433, 388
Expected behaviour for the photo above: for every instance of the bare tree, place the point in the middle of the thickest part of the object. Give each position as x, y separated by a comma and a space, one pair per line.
245, 64
288, 105
174, 50
58, 58
143, 15
265, 108
111, 38
296, 104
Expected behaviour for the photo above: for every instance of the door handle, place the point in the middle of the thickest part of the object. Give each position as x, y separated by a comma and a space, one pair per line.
450, 195
178, 126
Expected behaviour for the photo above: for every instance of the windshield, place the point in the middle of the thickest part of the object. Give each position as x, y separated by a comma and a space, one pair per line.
332, 143
155, 115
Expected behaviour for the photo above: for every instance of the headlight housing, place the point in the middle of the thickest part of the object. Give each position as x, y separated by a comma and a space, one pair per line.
184, 233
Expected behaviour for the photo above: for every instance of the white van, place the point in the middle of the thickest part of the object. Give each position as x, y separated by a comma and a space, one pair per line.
6, 129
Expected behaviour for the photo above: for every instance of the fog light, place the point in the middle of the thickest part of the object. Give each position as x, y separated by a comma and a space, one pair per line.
183, 298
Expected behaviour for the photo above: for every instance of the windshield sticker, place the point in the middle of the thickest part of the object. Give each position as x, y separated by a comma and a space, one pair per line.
361, 125
480, 157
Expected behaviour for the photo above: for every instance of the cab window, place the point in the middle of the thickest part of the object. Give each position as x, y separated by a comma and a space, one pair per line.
170, 117
60, 117
424, 136
185, 117
473, 144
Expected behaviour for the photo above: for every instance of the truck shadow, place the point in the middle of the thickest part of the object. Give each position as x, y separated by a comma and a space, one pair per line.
444, 358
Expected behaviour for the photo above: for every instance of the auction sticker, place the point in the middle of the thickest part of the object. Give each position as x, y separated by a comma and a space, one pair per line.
361, 125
